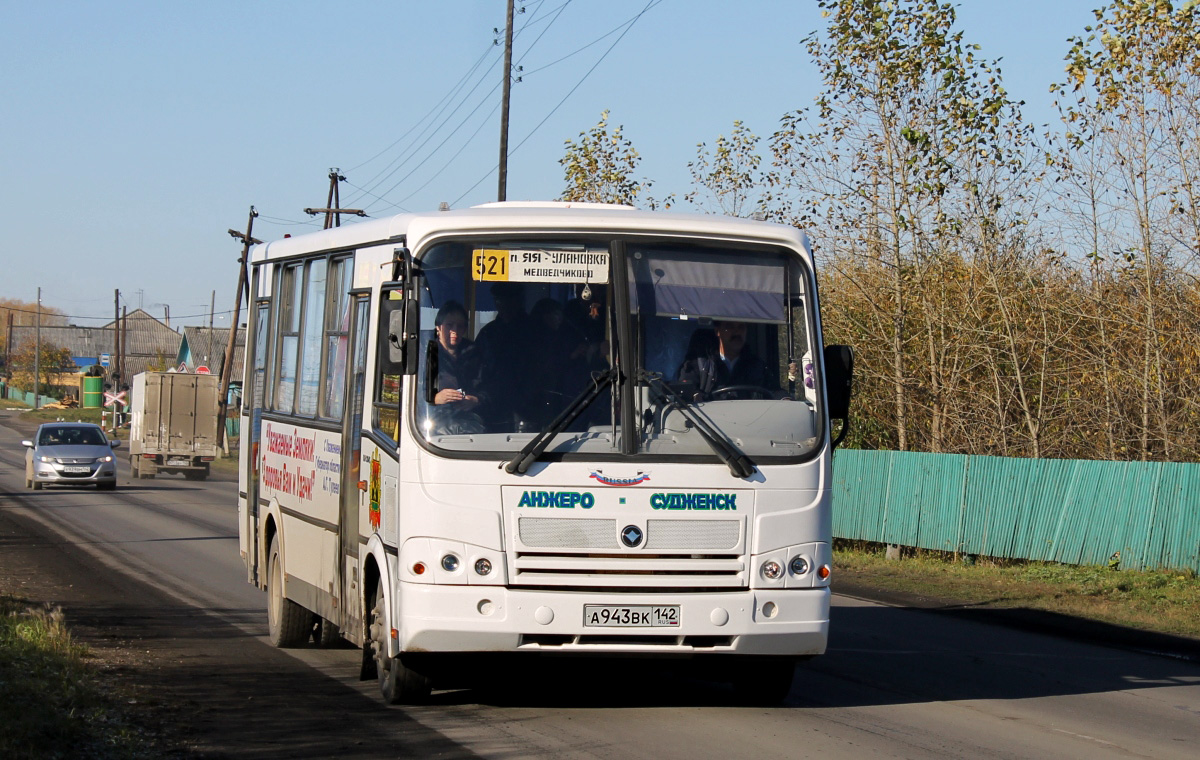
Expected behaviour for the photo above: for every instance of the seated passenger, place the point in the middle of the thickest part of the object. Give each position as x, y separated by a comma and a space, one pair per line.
504, 346
457, 374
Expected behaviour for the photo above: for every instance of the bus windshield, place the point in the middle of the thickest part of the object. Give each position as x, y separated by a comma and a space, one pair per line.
515, 333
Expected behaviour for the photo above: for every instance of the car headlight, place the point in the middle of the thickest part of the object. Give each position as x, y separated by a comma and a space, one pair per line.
106, 459
47, 460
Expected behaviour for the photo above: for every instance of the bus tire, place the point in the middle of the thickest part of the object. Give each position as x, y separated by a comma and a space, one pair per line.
763, 681
288, 624
398, 684
325, 634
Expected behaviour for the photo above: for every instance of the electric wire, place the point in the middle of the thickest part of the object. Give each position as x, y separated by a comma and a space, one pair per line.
628, 25
382, 197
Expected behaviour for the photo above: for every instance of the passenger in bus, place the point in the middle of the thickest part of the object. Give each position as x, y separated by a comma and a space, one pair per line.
559, 370
730, 362
505, 347
458, 371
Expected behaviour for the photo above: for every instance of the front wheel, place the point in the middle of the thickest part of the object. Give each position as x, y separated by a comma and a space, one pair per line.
397, 683
763, 681
287, 622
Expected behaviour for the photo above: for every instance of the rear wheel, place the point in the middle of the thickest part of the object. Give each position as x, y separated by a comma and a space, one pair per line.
397, 683
326, 634
287, 622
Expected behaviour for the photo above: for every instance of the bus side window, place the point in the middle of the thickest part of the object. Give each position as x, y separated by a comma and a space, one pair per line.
386, 416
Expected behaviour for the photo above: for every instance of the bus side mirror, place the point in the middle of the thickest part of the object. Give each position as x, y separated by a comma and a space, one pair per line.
839, 376
403, 329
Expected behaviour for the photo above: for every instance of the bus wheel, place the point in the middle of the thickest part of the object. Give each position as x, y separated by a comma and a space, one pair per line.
398, 684
326, 634
763, 681
287, 622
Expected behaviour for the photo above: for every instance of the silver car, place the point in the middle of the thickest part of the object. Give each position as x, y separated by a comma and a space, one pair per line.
70, 453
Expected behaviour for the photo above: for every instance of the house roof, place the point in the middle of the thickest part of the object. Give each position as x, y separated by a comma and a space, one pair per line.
206, 346
147, 340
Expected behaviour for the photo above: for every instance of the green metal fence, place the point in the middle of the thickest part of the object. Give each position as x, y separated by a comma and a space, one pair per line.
1061, 510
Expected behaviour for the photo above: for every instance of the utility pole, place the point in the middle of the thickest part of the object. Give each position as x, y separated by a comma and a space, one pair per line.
116, 353
502, 192
37, 356
8, 336
333, 211
124, 345
227, 365
212, 307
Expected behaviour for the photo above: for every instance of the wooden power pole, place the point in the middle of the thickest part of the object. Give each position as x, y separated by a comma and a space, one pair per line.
333, 211
230, 345
502, 192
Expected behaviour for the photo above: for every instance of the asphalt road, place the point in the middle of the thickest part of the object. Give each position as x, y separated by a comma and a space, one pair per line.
156, 563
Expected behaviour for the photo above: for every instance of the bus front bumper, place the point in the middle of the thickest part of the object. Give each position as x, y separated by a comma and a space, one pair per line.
439, 618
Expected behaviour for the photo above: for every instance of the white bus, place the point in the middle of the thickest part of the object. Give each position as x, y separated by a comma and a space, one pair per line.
542, 428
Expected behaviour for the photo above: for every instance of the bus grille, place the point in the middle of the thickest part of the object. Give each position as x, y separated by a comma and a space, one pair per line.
587, 553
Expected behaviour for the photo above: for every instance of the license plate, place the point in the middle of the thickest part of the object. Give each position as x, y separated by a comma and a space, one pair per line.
179, 462
631, 615
77, 470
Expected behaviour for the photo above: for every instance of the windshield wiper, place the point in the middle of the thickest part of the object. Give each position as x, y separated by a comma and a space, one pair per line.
740, 465
532, 450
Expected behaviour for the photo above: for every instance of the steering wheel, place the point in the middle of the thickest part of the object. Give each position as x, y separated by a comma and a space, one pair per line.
765, 393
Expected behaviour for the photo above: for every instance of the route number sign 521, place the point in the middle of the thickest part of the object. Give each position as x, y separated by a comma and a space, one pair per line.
490, 265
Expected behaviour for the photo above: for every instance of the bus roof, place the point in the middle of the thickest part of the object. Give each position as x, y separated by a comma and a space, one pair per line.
547, 216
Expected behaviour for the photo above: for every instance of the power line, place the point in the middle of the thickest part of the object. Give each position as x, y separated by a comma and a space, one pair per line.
400, 161
628, 25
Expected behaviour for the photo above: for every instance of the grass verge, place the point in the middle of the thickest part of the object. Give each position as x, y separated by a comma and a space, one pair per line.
52, 704
1164, 601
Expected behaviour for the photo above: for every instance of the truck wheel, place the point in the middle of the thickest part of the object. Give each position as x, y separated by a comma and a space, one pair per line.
397, 683
763, 681
287, 622
133, 467
146, 469
36, 486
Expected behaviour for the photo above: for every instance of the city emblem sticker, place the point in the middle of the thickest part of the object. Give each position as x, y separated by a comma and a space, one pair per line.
374, 491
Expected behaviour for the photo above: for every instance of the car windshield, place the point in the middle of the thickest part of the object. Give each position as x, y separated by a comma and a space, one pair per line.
514, 331
72, 436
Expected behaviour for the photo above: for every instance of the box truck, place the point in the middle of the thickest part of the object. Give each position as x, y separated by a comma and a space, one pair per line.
173, 428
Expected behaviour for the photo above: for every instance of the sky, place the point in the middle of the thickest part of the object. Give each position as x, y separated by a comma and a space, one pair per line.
134, 135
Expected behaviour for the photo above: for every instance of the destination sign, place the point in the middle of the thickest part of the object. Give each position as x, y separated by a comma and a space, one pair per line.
491, 265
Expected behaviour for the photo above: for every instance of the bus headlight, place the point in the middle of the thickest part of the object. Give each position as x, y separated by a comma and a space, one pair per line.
772, 570
483, 566
799, 566
450, 563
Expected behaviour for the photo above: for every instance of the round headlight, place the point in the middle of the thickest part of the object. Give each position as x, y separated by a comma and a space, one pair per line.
799, 566
772, 570
450, 563
483, 566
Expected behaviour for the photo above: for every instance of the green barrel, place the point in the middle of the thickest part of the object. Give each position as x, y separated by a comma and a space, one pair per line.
93, 393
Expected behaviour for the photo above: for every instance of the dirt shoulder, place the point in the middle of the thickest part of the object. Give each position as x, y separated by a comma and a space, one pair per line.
200, 687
